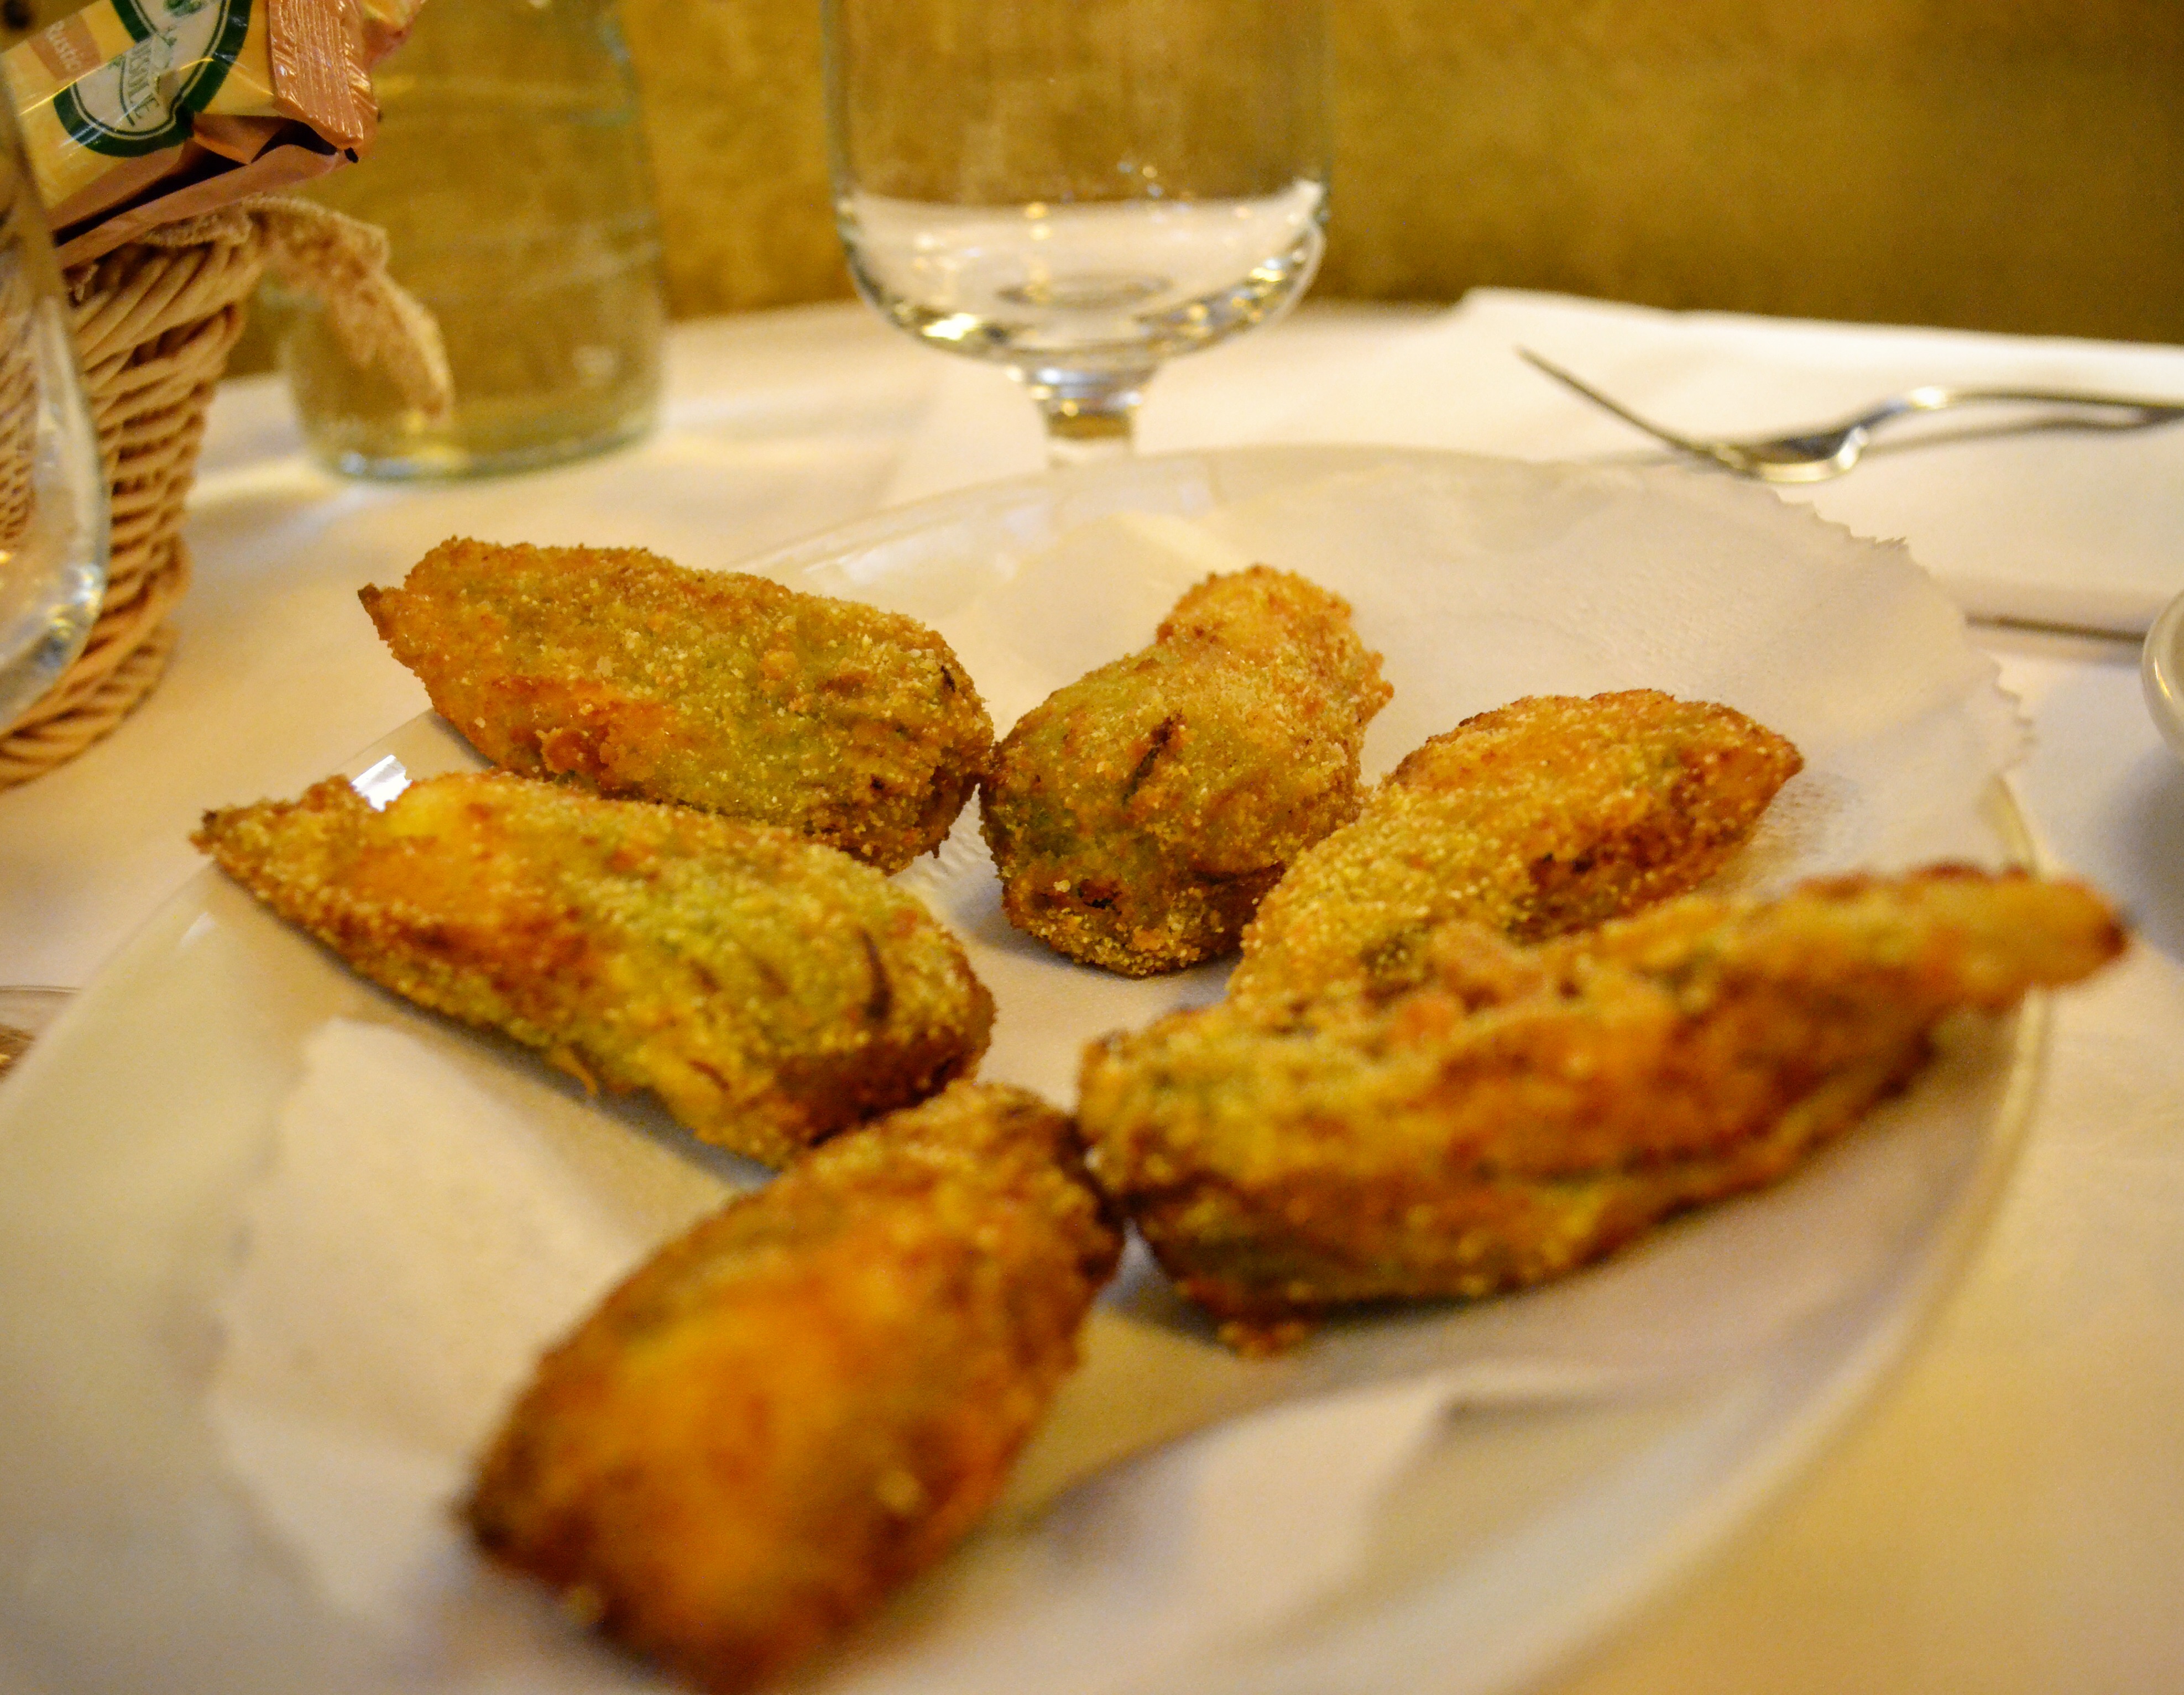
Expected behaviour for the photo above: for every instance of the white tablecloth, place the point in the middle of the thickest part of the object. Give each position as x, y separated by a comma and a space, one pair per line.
2010, 1516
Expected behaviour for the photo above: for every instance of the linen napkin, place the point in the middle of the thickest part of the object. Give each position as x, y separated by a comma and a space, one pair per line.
2075, 527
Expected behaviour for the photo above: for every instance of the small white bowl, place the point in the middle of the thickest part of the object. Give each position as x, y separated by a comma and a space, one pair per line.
2161, 669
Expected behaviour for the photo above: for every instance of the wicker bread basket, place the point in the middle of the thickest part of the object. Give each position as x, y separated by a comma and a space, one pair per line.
154, 321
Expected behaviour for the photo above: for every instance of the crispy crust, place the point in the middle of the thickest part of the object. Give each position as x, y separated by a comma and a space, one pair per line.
1545, 816
629, 675
812, 1396
770, 990
1527, 1110
1138, 816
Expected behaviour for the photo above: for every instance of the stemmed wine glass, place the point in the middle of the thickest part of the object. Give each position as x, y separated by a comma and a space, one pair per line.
1078, 189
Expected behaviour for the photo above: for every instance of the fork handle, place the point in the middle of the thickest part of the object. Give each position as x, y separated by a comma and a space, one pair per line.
1935, 398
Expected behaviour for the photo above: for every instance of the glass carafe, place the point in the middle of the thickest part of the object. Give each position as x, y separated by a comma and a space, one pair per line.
510, 175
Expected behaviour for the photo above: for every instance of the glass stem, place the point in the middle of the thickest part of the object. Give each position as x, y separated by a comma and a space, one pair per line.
1089, 416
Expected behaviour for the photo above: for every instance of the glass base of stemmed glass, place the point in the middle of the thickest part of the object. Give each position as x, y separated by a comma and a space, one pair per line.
1084, 342
1089, 416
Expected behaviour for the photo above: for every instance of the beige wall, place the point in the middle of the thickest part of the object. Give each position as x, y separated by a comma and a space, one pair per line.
2013, 165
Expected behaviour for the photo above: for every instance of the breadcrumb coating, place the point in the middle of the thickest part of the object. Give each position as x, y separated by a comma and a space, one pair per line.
1548, 815
1138, 816
629, 675
770, 991
812, 1396
1525, 1111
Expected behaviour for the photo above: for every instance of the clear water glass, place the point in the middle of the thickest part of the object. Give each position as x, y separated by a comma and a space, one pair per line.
52, 484
510, 177
1078, 189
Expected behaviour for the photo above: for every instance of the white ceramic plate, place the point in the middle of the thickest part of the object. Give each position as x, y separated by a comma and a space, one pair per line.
1593, 1438
2161, 669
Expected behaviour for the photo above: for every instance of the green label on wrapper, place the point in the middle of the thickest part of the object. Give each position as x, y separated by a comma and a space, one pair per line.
143, 101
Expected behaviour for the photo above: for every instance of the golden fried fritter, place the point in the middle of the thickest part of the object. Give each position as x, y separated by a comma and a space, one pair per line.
1528, 1110
1545, 816
812, 1395
1138, 816
769, 990
633, 676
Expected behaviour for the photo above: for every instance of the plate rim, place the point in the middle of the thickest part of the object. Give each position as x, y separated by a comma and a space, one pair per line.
1328, 458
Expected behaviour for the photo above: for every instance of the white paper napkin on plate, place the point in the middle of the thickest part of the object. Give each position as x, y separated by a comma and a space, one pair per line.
436, 1208
2078, 529
430, 1221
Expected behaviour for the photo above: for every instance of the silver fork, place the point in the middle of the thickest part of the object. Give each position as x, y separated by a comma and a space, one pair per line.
1828, 450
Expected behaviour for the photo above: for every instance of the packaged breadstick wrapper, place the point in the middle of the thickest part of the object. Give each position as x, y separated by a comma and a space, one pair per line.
139, 112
